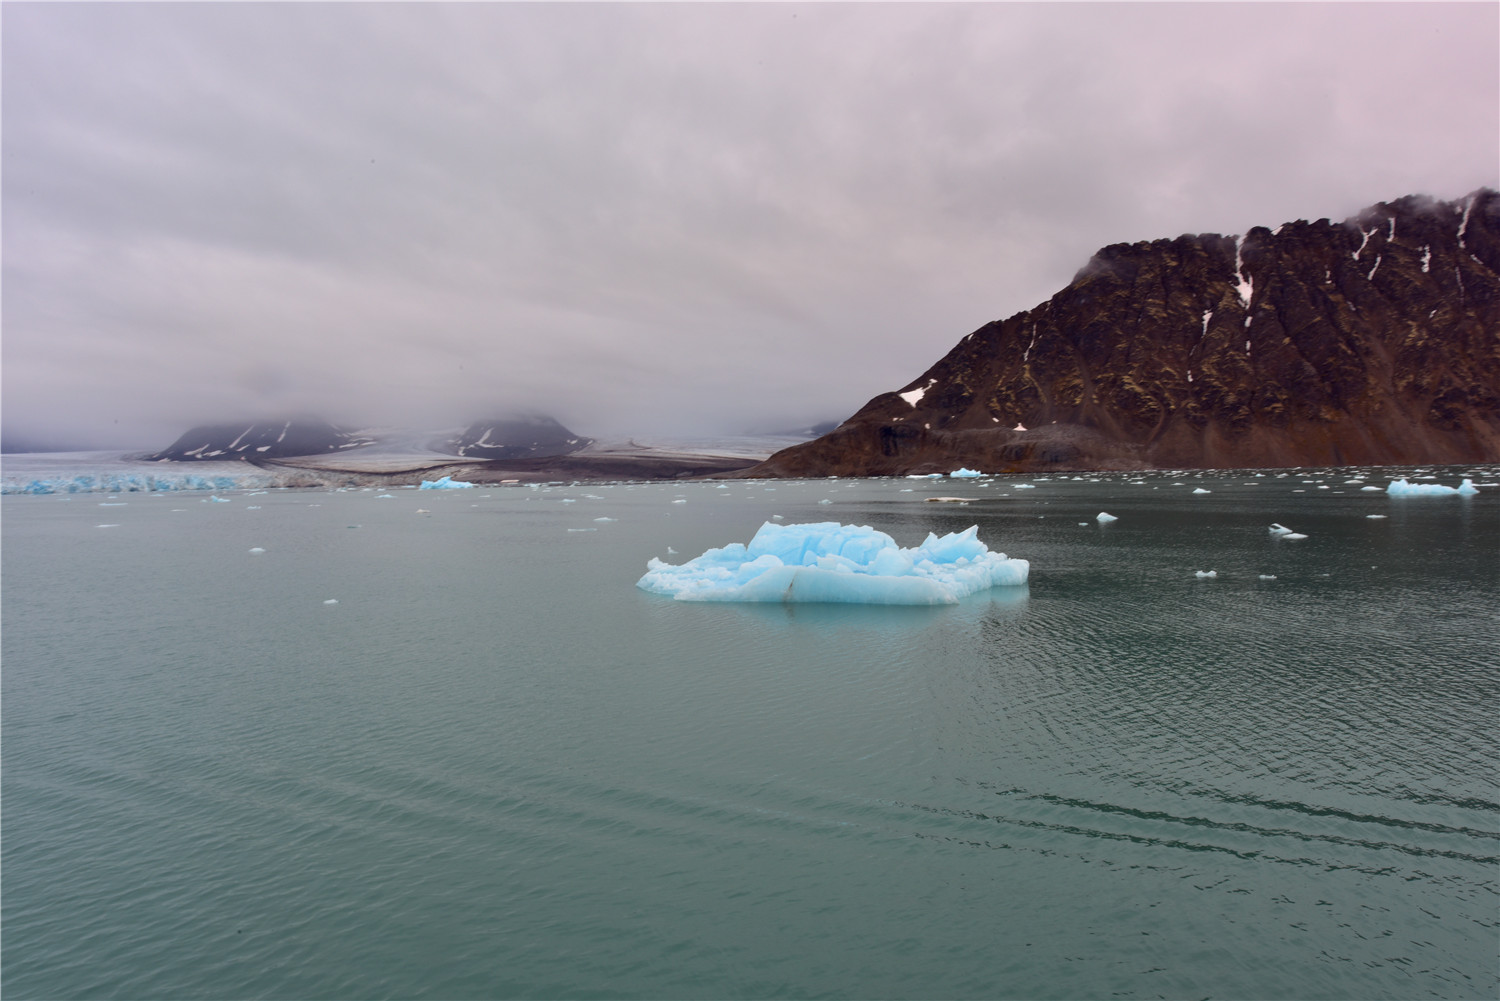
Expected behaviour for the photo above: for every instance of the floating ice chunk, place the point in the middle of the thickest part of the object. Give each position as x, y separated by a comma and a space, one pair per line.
331, 601
1024, 486
386, 497
1205, 574
1200, 490
115, 525
1293, 536
1374, 516
829, 562
1369, 488
949, 500
256, 551
215, 498
925, 476
446, 483
1276, 529
680, 500
604, 519
1105, 518
963, 473
1401, 488
1267, 576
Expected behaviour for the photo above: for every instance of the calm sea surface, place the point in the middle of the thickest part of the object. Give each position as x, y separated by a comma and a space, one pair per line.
494, 768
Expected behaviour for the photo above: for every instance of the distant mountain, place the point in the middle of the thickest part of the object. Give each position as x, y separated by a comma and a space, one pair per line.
520, 437
1371, 341
260, 440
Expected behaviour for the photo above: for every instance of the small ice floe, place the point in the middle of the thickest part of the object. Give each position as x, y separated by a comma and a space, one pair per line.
829, 562
1205, 574
1276, 529
949, 500
256, 550
776, 517
386, 497
1200, 490
1267, 576
1402, 488
680, 500
825, 500
1083, 524
671, 551
423, 510
331, 601
1374, 516
925, 476
583, 530
570, 500
1025, 486
604, 519
115, 525
113, 503
1369, 488
1104, 518
216, 499
1293, 536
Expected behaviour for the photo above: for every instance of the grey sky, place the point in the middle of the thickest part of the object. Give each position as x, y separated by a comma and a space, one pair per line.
650, 217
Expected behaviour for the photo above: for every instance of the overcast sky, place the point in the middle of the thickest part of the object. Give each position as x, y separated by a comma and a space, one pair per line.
650, 218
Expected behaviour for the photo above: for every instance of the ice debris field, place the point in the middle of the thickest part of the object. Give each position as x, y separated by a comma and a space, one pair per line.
830, 562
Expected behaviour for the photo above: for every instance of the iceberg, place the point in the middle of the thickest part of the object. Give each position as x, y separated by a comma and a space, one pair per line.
1402, 488
964, 473
830, 562
446, 483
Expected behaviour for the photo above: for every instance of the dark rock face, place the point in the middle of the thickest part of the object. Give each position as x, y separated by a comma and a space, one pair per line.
1372, 341
515, 438
260, 440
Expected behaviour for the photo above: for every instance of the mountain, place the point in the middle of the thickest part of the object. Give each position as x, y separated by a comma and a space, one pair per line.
260, 440
1371, 341
522, 437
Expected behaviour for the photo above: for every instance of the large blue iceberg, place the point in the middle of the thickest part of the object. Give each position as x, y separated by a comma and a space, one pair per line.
446, 483
829, 562
1401, 488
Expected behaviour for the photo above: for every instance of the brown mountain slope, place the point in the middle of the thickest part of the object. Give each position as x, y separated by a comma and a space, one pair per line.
1374, 341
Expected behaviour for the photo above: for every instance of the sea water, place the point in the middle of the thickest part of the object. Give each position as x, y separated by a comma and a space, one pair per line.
438, 744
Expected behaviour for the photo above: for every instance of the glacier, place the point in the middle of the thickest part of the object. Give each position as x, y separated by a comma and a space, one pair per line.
1403, 488
835, 563
121, 483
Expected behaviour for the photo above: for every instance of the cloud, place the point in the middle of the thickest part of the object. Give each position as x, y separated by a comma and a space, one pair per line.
651, 216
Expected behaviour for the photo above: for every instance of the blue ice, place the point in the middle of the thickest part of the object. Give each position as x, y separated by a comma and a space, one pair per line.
830, 562
121, 483
1402, 488
446, 483
964, 473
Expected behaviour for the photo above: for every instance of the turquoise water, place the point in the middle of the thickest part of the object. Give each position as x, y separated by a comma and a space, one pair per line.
494, 768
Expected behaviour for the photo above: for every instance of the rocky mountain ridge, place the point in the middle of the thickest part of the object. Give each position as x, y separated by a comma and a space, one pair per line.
1371, 341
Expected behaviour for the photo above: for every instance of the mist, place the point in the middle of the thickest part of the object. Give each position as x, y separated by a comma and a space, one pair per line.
648, 219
